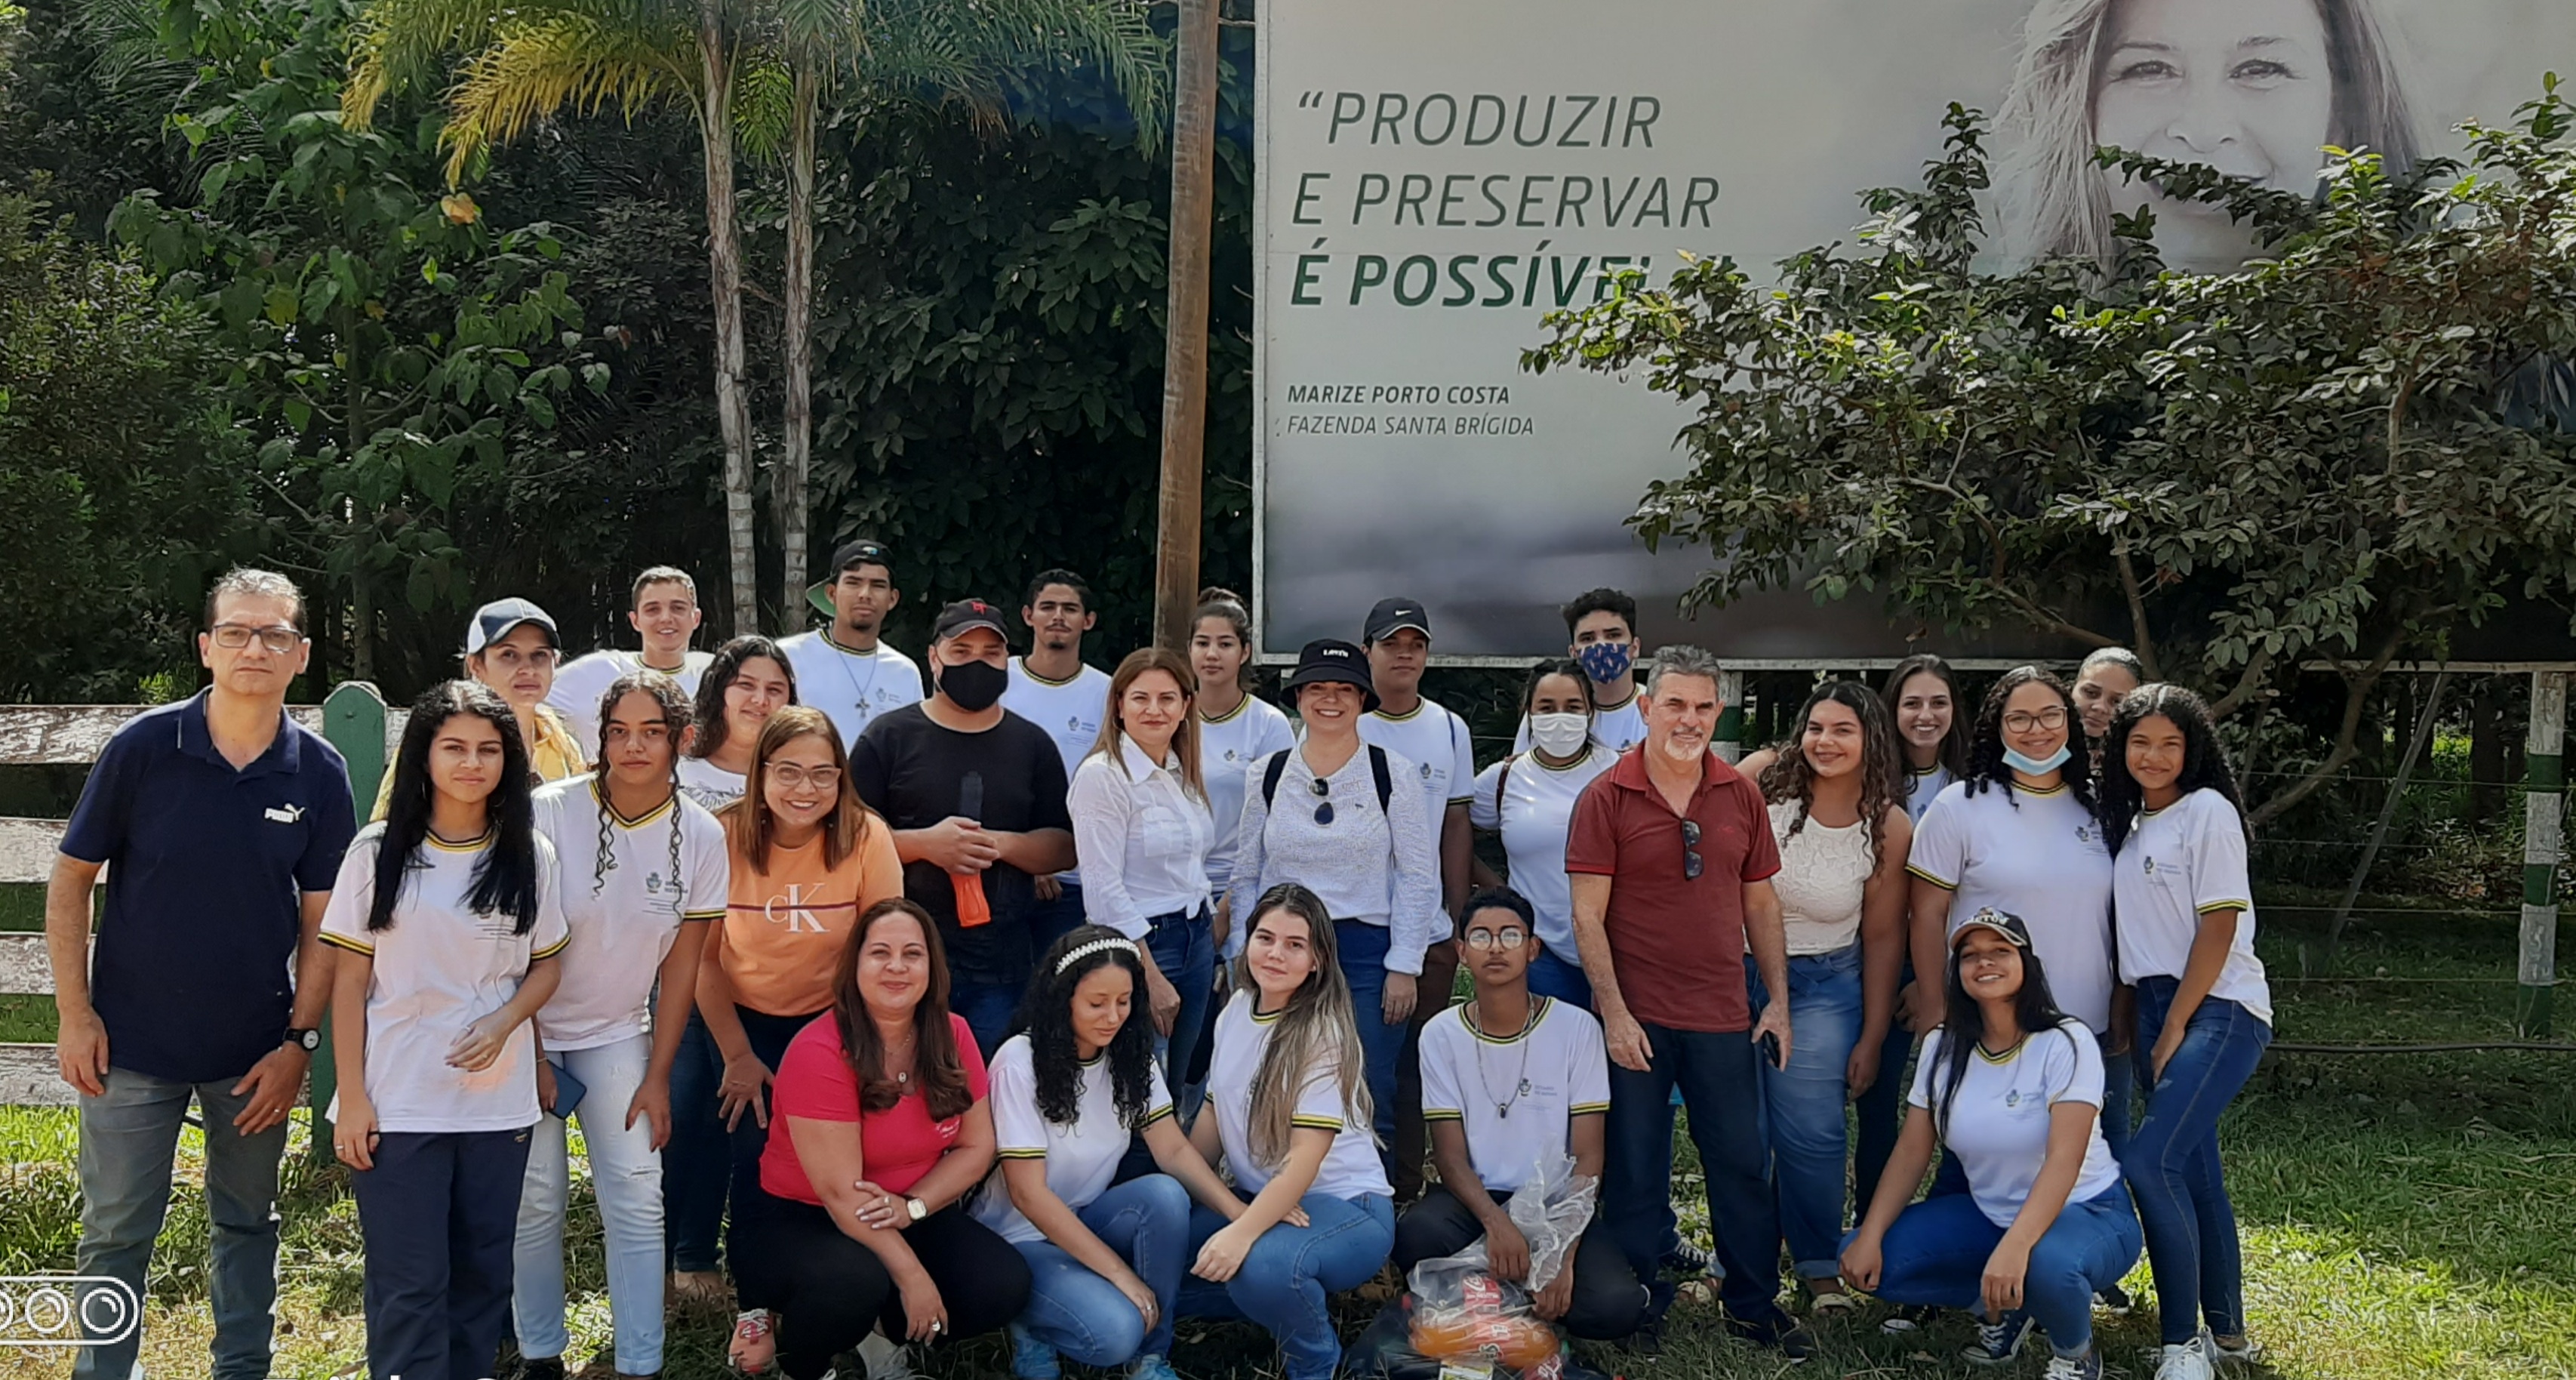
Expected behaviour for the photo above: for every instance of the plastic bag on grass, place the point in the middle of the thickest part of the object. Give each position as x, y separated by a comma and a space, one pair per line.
1470, 1323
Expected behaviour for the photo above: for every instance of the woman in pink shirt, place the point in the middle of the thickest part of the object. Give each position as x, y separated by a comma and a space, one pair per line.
878, 1129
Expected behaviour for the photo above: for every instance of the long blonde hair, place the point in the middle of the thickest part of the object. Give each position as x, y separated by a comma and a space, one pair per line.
2052, 199
1314, 1030
1185, 739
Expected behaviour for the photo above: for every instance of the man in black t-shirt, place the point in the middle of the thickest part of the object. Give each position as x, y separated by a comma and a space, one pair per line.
975, 795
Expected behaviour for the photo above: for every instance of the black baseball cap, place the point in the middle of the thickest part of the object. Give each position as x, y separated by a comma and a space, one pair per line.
496, 620
967, 615
1392, 616
1328, 661
863, 551
2004, 923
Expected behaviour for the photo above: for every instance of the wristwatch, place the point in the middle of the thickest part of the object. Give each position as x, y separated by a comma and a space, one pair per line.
306, 1040
916, 1207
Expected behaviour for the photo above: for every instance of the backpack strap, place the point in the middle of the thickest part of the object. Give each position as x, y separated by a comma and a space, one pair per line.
1378, 768
1503, 784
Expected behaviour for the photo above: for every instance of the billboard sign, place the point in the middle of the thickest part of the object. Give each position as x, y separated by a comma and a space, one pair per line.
1436, 175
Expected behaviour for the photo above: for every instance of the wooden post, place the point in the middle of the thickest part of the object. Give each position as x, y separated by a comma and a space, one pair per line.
1729, 740
353, 719
1185, 326
2542, 803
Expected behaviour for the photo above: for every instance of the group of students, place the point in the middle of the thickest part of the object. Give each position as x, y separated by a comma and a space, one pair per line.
799, 941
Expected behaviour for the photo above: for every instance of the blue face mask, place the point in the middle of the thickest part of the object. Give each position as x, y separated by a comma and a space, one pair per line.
1605, 661
2036, 766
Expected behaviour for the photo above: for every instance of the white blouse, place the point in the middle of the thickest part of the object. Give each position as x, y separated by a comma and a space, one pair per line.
1824, 872
1145, 835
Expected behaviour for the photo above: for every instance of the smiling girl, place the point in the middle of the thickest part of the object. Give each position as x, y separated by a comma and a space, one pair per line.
448, 923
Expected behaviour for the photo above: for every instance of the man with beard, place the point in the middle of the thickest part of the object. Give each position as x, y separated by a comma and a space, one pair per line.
1052, 688
845, 670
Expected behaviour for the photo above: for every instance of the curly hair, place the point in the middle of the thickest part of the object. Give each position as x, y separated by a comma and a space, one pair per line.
1882, 766
2204, 761
677, 714
1986, 766
1046, 1018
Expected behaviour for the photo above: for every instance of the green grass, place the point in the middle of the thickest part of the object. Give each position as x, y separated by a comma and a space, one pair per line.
2402, 1216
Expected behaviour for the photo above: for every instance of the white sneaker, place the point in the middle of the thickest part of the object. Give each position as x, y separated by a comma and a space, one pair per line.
2189, 1361
886, 1358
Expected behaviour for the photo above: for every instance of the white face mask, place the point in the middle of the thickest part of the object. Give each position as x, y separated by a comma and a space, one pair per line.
1560, 735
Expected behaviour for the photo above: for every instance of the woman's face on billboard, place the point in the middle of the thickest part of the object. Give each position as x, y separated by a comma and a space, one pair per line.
2243, 86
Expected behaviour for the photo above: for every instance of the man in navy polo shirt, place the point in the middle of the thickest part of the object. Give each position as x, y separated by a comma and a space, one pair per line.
226, 822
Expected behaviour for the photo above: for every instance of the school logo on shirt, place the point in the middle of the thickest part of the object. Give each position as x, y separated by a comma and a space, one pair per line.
2013, 1098
1426, 771
653, 883
1229, 754
799, 917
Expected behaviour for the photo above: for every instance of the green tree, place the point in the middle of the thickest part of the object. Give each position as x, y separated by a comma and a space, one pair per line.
387, 349
2327, 455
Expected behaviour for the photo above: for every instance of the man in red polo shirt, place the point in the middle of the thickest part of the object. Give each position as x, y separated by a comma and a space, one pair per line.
1671, 858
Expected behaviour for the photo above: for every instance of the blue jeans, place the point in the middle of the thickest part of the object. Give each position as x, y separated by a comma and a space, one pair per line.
1363, 947
626, 1177
1083, 1316
1936, 1254
1877, 1113
129, 1136
2173, 1165
1802, 1105
694, 1160
1551, 976
1183, 944
988, 1008
2119, 1085
1288, 1273
1050, 921
1715, 1075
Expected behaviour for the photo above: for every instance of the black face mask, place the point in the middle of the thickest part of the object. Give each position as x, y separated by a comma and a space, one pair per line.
973, 686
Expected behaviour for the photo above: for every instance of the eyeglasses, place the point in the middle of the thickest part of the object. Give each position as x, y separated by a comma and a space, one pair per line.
511, 658
1690, 850
1324, 811
1509, 937
792, 776
278, 638
2045, 719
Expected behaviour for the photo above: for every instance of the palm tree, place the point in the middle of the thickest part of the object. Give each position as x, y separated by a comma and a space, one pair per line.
528, 60
737, 62
973, 53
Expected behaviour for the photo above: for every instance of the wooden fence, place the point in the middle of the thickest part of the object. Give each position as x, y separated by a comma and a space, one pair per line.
353, 718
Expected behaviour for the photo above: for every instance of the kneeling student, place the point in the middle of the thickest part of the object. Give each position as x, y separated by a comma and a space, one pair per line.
2046, 1223
1077, 1077
1510, 1080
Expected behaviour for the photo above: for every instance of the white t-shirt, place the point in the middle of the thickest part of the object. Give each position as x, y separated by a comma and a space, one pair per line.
708, 784
580, 682
624, 920
851, 688
1070, 712
1081, 1159
1436, 742
1924, 787
1350, 1168
1227, 749
1552, 1072
438, 969
1616, 729
1998, 1123
1823, 879
2181, 863
1534, 815
2038, 855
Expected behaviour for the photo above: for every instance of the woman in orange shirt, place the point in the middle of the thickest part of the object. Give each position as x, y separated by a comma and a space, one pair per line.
806, 858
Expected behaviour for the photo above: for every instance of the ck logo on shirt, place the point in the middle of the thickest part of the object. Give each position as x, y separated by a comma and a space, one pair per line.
798, 916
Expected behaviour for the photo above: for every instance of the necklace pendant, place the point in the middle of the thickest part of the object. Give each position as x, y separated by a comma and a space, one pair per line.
1503, 1111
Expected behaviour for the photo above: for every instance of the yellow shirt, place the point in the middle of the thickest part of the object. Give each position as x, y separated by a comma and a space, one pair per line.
784, 928
555, 755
